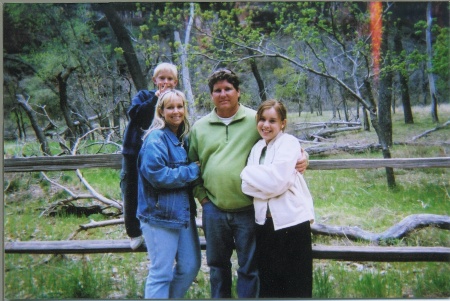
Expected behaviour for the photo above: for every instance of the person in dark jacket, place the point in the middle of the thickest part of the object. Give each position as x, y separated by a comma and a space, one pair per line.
141, 113
166, 205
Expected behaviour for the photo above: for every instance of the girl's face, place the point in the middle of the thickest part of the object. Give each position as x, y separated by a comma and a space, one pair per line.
165, 80
270, 124
173, 113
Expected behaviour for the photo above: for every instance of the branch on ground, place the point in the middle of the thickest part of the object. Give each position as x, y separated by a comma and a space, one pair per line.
400, 230
439, 127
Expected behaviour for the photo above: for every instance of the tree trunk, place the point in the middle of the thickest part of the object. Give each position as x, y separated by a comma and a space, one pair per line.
185, 77
307, 100
20, 126
424, 82
385, 92
384, 106
64, 104
34, 123
406, 101
404, 89
344, 103
366, 121
432, 86
258, 78
371, 99
125, 42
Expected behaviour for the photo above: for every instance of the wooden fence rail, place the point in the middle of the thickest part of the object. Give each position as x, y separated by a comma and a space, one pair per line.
351, 253
114, 161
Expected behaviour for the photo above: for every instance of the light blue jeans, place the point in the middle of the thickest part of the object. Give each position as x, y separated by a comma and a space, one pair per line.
175, 259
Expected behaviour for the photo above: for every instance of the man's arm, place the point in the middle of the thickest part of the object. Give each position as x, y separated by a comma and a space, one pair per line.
302, 162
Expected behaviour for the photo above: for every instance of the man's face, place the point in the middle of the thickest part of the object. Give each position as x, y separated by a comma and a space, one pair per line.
225, 98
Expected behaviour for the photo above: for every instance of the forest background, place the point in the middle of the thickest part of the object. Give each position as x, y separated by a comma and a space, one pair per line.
70, 70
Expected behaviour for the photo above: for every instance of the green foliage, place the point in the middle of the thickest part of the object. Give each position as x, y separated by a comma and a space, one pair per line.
441, 58
289, 84
118, 50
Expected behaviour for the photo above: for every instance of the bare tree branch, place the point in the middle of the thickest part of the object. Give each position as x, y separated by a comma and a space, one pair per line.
439, 127
399, 230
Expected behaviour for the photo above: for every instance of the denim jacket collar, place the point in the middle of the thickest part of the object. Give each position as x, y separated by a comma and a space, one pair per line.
172, 137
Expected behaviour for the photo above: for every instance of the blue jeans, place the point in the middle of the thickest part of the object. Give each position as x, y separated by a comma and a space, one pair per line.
225, 231
129, 189
168, 246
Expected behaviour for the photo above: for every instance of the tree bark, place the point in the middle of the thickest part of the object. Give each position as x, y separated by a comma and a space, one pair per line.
369, 92
385, 92
384, 105
258, 78
404, 89
34, 123
62, 78
432, 86
19, 121
185, 77
124, 41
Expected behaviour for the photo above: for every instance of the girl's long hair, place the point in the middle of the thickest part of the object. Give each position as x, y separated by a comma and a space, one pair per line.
277, 105
158, 120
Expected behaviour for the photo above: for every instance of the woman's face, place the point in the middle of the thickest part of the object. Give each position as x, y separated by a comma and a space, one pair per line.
173, 112
270, 124
225, 98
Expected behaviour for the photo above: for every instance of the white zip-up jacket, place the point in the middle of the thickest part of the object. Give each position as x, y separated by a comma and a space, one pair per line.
276, 184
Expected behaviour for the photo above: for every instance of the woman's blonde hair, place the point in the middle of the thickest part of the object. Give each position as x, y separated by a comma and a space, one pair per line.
159, 122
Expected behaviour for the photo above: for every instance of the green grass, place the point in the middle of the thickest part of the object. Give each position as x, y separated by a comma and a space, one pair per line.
59, 277
341, 197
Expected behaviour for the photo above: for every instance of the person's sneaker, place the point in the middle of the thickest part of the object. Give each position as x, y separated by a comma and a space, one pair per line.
135, 242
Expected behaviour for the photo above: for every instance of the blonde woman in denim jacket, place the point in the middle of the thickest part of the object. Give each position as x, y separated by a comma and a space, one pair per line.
283, 208
166, 207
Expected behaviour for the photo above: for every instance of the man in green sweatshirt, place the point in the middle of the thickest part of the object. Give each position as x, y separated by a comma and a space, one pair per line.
222, 141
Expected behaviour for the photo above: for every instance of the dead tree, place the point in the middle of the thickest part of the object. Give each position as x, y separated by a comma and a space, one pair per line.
34, 123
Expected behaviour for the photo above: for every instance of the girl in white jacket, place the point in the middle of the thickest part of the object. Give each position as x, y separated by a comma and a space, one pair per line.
283, 208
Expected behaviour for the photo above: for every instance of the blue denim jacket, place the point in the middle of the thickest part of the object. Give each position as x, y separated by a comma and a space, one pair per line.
164, 194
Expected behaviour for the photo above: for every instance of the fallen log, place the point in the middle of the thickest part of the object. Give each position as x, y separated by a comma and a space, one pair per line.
313, 150
439, 127
399, 230
309, 125
325, 133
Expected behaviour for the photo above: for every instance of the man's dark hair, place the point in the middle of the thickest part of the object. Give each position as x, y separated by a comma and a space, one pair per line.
223, 74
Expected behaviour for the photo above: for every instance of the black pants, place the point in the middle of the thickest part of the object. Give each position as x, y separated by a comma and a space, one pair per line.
129, 188
284, 261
